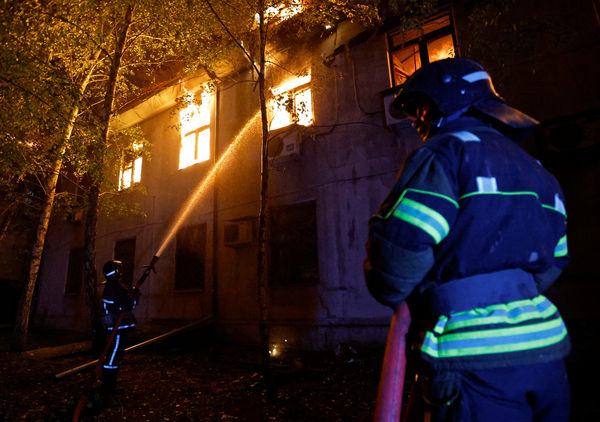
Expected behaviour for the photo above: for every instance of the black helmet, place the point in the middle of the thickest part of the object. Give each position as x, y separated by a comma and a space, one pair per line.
112, 269
455, 85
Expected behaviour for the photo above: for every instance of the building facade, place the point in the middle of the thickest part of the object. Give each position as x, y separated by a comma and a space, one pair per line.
333, 157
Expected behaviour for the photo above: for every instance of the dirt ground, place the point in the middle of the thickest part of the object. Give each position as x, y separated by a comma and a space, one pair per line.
179, 380
191, 377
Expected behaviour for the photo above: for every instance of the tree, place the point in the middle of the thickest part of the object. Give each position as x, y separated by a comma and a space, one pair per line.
48, 78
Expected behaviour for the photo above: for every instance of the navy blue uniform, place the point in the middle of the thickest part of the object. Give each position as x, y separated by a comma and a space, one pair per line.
471, 234
116, 299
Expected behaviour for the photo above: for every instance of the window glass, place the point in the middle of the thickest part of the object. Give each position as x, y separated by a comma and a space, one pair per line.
430, 26
131, 168
303, 107
137, 170
292, 103
293, 251
195, 131
125, 252
75, 272
190, 257
412, 49
405, 61
440, 48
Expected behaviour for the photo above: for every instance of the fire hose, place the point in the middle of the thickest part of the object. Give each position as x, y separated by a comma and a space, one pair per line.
391, 382
98, 368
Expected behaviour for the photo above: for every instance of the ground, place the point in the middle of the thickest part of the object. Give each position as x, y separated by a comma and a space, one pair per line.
208, 381
193, 377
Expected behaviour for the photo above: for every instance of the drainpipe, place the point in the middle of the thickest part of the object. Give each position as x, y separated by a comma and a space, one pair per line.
215, 269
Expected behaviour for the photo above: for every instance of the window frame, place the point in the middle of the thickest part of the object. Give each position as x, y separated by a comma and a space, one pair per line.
128, 162
124, 250
207, 106
421, 41
279, 256
293, 92
75, 270
195, 257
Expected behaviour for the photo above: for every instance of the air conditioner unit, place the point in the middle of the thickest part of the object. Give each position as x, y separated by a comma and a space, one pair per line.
285, 145
237, 233
387, 98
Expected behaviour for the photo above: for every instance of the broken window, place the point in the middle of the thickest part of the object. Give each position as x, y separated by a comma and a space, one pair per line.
190, 257
125, 252
74, 272
293, 251
195, 130
412, 49
292, 103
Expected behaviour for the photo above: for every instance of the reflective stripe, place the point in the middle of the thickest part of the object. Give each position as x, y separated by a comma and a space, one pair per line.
108, 301
561, 247
110, 273
546, 336
425, 218
110, 367
122, 327
425, 192
466, 136
511, 313
487, 184
532, 323
112, 358
522, 193
476, 76
559, 205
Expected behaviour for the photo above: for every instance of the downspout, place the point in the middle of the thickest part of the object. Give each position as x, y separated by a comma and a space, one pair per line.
215, 263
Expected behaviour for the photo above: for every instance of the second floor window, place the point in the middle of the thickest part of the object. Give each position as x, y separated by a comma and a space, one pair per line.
292, 103
195, 131
412, 49
131, 168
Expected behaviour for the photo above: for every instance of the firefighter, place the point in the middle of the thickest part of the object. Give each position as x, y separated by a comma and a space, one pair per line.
116, 300
471, 235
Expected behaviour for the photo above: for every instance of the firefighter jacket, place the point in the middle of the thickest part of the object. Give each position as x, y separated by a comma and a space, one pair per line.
117, 299
470, 235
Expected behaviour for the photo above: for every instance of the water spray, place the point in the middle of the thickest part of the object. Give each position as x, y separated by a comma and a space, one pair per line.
201, 187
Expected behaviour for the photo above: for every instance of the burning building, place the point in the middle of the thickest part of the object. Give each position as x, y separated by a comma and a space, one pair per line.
332, 158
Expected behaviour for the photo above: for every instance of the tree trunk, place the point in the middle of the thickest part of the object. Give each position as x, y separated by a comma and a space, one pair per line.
24, 309
91, 219
263, 288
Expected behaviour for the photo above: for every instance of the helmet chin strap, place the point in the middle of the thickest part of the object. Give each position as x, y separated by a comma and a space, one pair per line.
444, 120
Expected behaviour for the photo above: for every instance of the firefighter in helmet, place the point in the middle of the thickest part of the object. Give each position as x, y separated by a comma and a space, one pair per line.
118, 303
471, 235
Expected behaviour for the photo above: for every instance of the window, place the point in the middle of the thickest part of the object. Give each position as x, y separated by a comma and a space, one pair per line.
75, 272
190, 258
195, 131
292, 103
125, 252
131, 168
293, 253
412, 49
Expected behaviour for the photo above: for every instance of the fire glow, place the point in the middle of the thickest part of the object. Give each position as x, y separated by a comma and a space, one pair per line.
195, 131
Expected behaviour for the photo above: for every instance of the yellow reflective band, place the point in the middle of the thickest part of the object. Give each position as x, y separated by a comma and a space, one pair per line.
561, 247
425, 218
500, 348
